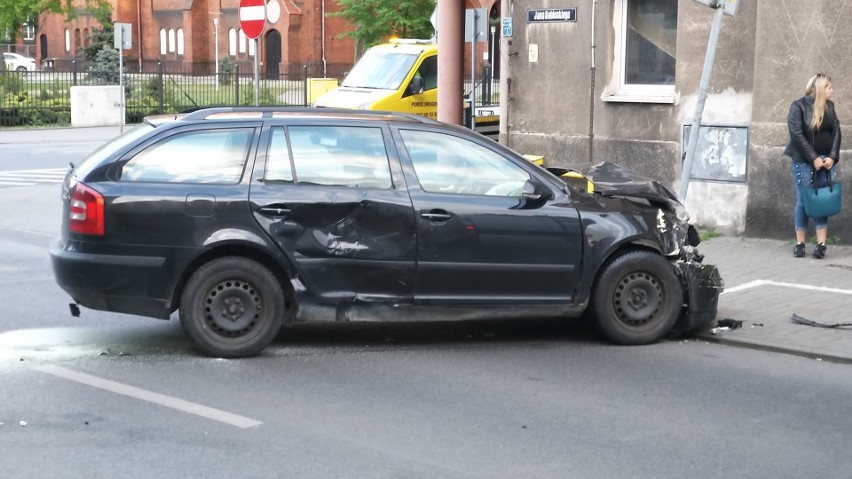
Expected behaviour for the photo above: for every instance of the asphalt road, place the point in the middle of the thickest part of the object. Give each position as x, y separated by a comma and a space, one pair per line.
108, 395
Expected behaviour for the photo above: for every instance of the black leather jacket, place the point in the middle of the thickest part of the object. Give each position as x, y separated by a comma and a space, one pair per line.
800, 148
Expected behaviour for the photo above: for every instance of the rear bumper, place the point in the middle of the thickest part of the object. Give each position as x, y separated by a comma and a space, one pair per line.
116, 283
702, 285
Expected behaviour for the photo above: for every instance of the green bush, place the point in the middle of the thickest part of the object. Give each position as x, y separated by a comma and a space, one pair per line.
227, 67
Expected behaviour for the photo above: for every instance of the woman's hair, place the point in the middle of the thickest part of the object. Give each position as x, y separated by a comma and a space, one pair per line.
816, 88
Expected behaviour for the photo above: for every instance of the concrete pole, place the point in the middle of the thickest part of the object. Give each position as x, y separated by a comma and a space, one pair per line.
450, 59
699, 104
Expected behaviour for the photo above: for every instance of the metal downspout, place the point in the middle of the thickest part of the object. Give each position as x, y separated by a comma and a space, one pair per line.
592, 92
324, 64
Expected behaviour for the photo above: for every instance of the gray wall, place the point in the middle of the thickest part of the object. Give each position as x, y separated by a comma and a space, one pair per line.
765, 55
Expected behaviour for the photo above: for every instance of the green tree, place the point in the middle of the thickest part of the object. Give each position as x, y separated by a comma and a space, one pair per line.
13, 13
375, 21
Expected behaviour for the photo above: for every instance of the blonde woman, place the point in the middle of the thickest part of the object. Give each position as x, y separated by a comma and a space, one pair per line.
814, 145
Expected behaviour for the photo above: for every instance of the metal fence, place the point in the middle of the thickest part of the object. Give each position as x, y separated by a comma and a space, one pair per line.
44, 97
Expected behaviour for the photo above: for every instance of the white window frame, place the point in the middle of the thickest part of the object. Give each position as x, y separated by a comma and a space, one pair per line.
180, 41
163, 41
67, 40
232, 42
631, 93
171, 40
243, 39
251, 44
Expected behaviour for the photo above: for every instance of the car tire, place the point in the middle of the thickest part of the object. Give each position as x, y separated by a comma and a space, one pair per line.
638, 298
21, 69
232, 307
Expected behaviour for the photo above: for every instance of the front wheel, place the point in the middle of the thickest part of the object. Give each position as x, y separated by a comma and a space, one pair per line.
232, 307
637, 298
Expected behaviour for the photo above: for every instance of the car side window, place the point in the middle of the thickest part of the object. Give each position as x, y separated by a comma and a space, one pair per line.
203, 156
340, 156
450, 164
278, 166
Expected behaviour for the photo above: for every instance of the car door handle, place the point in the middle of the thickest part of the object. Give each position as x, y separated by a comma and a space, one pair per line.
437, 216
275, 211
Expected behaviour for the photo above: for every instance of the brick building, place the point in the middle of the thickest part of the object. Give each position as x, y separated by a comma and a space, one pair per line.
186, 33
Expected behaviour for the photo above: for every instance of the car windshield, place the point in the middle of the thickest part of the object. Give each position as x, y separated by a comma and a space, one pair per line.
96, 157
382, 70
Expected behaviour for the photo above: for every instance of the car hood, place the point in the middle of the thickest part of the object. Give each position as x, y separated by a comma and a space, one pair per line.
612, 179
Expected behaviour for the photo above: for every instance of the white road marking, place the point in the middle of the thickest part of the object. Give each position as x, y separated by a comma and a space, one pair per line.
32, 177
150, 396
766, 282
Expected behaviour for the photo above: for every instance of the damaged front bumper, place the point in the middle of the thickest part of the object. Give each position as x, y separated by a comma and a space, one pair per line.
702, 285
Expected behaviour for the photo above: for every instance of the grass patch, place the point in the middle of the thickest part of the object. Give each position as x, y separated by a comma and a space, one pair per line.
706, 235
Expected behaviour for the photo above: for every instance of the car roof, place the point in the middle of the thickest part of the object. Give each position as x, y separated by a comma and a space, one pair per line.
236, 113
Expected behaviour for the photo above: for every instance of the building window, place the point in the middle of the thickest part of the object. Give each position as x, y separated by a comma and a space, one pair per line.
645, 51
67, 40
171, 40
251, 47
87, 39
242, 41
77, 42
28, 30
163, 41
232, 42
180, 41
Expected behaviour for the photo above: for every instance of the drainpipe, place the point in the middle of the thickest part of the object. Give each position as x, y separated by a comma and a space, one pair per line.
139, 32
592, 93
324, 65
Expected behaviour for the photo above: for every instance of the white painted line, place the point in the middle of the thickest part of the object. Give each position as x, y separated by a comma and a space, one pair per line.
30, 178
150, 396
257, 12
16, 183
766, 282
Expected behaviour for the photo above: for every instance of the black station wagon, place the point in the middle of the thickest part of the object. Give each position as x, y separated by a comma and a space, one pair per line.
248, 219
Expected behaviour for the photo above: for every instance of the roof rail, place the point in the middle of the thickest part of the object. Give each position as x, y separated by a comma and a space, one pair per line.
202, 113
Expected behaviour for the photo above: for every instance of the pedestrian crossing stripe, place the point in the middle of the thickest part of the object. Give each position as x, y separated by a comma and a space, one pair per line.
32, 177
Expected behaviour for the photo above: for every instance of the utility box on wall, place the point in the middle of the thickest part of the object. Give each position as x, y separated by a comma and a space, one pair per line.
96, 105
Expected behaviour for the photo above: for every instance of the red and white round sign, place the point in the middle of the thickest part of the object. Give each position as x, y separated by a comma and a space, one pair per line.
252, 17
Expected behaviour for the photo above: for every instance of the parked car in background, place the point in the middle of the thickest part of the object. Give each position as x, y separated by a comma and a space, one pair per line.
19, 63
244, 220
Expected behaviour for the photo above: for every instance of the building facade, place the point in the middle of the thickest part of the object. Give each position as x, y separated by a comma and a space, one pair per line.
620, 83
189, 33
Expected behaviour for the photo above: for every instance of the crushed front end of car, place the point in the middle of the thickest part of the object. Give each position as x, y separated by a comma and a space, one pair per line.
678, 239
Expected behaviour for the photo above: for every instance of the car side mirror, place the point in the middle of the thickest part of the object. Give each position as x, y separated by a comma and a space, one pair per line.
536, 192
417, 86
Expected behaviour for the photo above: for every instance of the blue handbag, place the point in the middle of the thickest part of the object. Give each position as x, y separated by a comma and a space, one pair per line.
822, 196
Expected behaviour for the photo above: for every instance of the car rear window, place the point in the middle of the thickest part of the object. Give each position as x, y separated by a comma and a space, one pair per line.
198, 156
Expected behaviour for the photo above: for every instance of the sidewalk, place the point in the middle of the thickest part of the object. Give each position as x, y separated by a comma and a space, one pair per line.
765, 285
60, 134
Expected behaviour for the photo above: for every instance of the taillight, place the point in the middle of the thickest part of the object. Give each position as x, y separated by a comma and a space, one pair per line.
87, 211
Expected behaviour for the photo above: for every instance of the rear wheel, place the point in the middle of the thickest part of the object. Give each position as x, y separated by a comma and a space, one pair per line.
637, 298
232, 307
21, 69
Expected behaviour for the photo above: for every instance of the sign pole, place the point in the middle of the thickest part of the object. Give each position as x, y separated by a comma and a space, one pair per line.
256, 73
699, 104
475, 18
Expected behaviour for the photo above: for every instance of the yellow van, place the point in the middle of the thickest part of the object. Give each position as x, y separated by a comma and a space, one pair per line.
399, 76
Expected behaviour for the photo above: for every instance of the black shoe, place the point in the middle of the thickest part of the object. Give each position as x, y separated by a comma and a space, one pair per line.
819, 251
799, 250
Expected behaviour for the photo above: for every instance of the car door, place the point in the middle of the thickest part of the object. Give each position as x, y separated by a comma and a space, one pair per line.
168, 196
332, 199
479, 239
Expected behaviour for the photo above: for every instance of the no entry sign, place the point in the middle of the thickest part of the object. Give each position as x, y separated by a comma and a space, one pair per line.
252, 17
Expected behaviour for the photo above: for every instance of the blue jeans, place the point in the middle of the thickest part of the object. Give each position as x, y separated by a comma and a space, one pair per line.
802, 177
